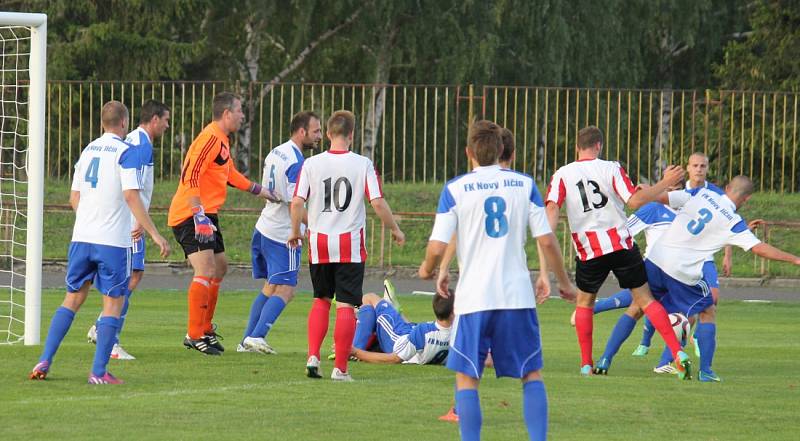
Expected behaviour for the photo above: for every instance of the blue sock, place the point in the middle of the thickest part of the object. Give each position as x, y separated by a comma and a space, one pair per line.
666, 357
59, 325
621, 299
622, 330
534, 409
647, 333
470, 419
255, 313
269, 314
122, 315
706, 334
106, 330
365, 326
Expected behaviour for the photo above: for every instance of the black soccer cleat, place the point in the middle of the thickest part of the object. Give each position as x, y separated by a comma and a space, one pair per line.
212, 339
200, 345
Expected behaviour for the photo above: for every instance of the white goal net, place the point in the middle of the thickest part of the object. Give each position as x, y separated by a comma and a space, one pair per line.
22, 77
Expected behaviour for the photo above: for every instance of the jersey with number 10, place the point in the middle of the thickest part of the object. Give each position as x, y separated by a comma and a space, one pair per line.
334, 184
107, 167
491, 209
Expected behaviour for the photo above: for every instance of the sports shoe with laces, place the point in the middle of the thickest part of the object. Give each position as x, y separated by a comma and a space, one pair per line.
708, 377
337, 375
106, 378
39, 372
312, 367
257, 344
240, 348
451, 416
119, 353
601, 368
390, 294
641, 351
92, 335
200, 345
212, 338
683, 366
586, 370
665, 369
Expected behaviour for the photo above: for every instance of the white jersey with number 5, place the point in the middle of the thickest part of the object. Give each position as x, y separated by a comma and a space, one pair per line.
106, 167
334, 184
491, 209
705, 223
595, 192
141, 140
281, 168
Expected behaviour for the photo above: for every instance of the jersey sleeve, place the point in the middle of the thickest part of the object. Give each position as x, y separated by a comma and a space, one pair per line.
237, 179
130, 169
372, 188
622, 183
742, 237
446, 220
537, 216
303, 186
641, 219
412, 344
679, 198
292, 173
201, 153
556, 191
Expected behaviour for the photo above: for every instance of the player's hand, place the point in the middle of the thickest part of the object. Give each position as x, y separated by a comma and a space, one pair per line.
162, 245
270, 195
137, 232
398, 236
568, 293
295, 240
673, 174
443, 284
727, 265
755, 223
542, 288
203, 227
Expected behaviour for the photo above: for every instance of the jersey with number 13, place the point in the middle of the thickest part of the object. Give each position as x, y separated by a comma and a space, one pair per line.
334, 184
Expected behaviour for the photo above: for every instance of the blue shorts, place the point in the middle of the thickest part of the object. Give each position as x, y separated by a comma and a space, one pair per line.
511, 334
137, 255
389, 326
274, 261
710, 274
109, 268
677, 296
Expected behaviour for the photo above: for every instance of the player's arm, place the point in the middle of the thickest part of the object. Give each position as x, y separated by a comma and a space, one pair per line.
384, 212
543, 281
552, 253
241, 182
672, 175
433, 257
297, 212
136, 206
74, 199
376, 357
768, 251
542, 221
443, 278
444, 228
727, 261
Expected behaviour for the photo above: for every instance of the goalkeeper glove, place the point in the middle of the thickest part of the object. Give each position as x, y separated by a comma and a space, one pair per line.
203, 227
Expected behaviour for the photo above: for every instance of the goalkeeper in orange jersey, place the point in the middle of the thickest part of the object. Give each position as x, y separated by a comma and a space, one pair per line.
207, 171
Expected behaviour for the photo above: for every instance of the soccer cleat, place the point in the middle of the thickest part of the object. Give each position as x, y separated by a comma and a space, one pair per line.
683, 366
586, 370
696, 347
200, 345
390, 294
337, 375
257, 344
312, 367
641, 351
92, 334
118, 353
106, 378
451, 416
39, 372
572, 318
666, 369
240, 348
212, 338
602, 367
708, 377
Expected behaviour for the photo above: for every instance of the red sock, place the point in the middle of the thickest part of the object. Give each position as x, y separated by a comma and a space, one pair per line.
343, 333
658, 317
318, 319
584, 326
198, 305
213, 294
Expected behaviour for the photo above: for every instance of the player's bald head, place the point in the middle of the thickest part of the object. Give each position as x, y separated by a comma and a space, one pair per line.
698, 157
740, 186
113, 115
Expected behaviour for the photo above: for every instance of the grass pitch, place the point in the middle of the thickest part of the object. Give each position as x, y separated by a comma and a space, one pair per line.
174, 394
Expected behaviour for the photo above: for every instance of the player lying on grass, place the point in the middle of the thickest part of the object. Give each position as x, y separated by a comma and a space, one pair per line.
400, 341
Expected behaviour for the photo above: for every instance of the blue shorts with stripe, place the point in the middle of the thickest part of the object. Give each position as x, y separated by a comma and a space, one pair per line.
675, 295
389, 326
137, 255
710, 274
274, 261
512, 335
108, 267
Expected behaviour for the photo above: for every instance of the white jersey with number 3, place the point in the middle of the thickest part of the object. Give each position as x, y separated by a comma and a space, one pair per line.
595, 192
334, 185
491, 209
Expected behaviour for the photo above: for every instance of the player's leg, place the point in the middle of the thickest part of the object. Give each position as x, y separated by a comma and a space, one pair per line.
209, 329
589, 277
622, 330
260, 271
706, 334
647, 336
319, 314
711, 278
367, 320
619, 300
534, 405
468, 407
349, 279
467, 354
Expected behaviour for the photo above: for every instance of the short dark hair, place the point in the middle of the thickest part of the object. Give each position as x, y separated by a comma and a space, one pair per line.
341, 123
508, 145
301, 120
443, 307
589, 137
223, 101
485, 141
113, 114
152, 108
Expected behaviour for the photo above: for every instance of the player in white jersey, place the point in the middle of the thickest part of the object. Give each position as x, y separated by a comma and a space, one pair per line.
334, 184
490, 211
400, 341
105, 191
595, 193
272, 259
153, 122
705, 223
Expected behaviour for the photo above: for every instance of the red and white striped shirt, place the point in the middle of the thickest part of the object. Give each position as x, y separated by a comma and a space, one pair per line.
335, 184
595, 192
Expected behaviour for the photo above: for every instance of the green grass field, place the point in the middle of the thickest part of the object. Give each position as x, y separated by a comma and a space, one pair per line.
176, 394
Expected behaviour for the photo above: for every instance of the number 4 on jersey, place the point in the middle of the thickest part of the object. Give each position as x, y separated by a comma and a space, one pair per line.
92, 172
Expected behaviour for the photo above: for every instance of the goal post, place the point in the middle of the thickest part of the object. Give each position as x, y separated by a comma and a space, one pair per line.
33, 27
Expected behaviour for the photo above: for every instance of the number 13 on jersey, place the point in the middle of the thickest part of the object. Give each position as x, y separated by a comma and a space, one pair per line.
496, 220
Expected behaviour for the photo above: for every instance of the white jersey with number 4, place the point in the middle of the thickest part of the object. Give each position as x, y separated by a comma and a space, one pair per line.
595, 192
334, 184
106, 167
281, 169
491, 210
705, 223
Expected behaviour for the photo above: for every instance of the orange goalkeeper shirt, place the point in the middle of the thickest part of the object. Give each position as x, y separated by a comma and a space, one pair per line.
206, 173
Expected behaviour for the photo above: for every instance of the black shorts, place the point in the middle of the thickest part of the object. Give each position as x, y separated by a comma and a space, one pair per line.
627, 266
184, 234
345, 280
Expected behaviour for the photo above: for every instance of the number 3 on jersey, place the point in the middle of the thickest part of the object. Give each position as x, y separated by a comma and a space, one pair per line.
92, 172
496, 220
697, 225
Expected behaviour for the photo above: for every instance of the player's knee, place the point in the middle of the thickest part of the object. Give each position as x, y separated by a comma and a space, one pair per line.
136, 277
370, 298
709, 315
285, 292
532, 376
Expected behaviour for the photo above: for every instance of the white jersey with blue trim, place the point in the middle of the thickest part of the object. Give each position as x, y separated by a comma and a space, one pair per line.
281, 168
490, 209
705, 223
141, 140
107, 167
654, 219
709, 186
427, 343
